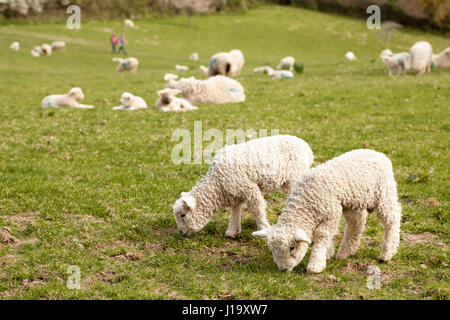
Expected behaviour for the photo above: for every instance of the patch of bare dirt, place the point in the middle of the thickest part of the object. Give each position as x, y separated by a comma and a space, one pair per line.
24, 219
6, 237
425, 237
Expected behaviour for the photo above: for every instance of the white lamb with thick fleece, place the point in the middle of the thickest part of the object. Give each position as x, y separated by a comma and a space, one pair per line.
239, 174
287, 62
441, 60
129, 101
128, 64
58, 45
46, 49
128, 23
227, 64
214, 90
169, 102
421, 55
400, 62
15, 46
70, 99
349, 185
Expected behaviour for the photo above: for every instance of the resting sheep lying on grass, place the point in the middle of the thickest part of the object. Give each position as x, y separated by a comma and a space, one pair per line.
169, 102
36, 52
227, 64
350, 56
349, 185
421, 54
15, 46
441, 60
46, 49
243, 173
218, 89
400, 62
279, 74
128, 64
129, 101
181, 68
69, 99
58, 45
194, 56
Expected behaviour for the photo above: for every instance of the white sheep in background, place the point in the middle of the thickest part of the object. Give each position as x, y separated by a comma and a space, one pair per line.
227, 64
441, 60
349, 185
263, 69
240, 174
279, 74
58, 45
15, 46
36, 52
129, 101
181, 68
46, 49
204, 70
218, 89
400, 62
128, 64
169, 102
288, 62
194, 56
350, 56
421, 55
128, 23
69, 99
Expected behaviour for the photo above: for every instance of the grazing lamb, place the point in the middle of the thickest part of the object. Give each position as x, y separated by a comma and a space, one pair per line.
350, 56
421, 54
400, 62
349, 185
46, 49
131, 102
227, 64
288, 62
243, 173
69, 99
194, 56
181, 68
128, 23
36, 52
218, 89
128, 64
169, 102
279, 74
441, 60
15, 46
58, 45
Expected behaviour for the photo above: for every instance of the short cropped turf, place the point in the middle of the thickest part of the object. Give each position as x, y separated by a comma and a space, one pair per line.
95, 188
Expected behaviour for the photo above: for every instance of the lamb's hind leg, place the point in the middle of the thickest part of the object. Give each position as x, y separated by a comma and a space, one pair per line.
234, 227
355, 222
257, 205
390, 218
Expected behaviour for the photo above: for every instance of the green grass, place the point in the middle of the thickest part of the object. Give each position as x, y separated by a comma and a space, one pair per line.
94, 188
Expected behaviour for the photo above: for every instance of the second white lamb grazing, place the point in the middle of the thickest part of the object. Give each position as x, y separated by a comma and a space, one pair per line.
279, 74
240, 174
421, 55
15, 46
58, 45
227, 64
400, 62
287, 62
218, 89
350, 185
70, 99
350, 56
169, 102
194, 56
128, 64
129, 101
441, 60
46, 49
128, 23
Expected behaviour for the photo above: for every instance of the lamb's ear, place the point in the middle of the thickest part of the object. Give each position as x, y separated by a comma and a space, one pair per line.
300, 235
188, 200
262, 234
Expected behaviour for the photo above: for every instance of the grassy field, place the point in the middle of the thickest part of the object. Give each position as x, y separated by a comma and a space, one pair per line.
95, 188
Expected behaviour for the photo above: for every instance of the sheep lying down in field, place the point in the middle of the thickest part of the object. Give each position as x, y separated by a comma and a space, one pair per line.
58, 46
400, 62
70, 99
15, 46
214, 90
36, 52
46, 49
275, 74
128, 64
129, 101
287, 63
240, 174
350, 185
169, 102
441, 60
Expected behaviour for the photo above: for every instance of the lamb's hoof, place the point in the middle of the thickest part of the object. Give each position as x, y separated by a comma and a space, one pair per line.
315, 268
263, 226
231, 234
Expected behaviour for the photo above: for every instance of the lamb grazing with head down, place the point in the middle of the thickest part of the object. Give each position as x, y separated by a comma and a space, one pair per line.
169, 102
349, 185
227, 64
129, 101
58, 45
400, 62
214, 90
240, 174
287, 62
421, 55
69, 99
15, 46
441, 60
128, 64
46, 49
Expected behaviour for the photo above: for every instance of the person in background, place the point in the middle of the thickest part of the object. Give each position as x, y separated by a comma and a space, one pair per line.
122, 42
113, 42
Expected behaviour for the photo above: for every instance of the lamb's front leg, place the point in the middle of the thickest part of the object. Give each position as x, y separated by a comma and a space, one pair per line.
257, 205
234, 227
323, 242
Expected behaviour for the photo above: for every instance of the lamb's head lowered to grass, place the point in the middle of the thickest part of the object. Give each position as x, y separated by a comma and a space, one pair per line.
186, 214
288, 246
